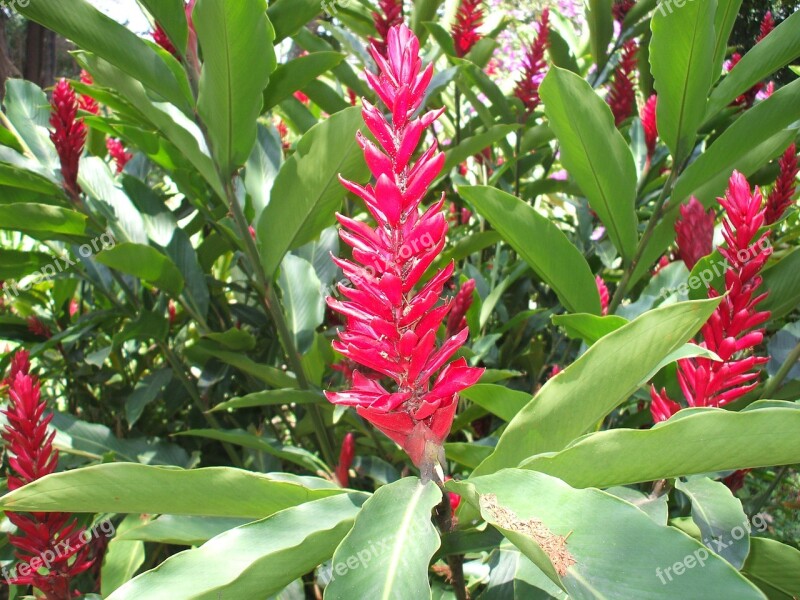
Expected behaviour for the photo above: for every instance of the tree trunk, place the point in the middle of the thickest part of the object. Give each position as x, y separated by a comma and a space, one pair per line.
40, 52
7, 67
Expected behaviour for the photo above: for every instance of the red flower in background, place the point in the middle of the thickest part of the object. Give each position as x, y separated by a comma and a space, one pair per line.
767, 26
782, 195
117, 151
68, 134
389, 14
695, 229
31, 456
457, 319
88, 103
733, 329
391, 327
465, 29
605, 297
621, 9
650, 125
346, 456
622, 95
36, 327
535, 65
161, 38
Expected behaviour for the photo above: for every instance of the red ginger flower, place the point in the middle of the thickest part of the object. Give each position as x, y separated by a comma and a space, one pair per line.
535, 65
622, 95
389, 14
118, 153
88, 103
457, 319
20, 363
346, 456
695, 229
661, 407
605, 297
733, 327
68, 135
161, 38
465, 30
650, 125
390, 326
782, 195
767, 25
31, 456
621, 9
37, 327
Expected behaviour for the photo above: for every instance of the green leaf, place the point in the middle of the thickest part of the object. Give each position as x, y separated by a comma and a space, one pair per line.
307, 191
91, 30
498, 400
475, 144
599, 381
263, 166
122, 558
238, 57
132, 488
288, 16
387, 553
754, 438
774, 567
297, 74
778, 49
588, 328
144, 262
272, 398
568, 534
28, 112
233, 339
725, 19
783, 284
601, 29
682, 61
595, 153
270, 375
182, 531
27, 174
255, 560
16, 264
42, 219
146, 391
541, 244
656, 506
171, 15
302, 300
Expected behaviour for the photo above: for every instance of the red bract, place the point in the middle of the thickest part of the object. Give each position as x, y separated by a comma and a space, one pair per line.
465, 29
767, 25
389, 14
68, 134
161, 38
661, 407
650, 125
621, 9
31, 456
118, 153
88, 103
535, 66
733, 331
391, 327
782, 195
346, 455
605, 297
695, 229
457, 319
36, 327
622, 95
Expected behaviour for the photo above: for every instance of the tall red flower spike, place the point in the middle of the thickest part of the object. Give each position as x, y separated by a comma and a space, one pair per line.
68, 134
782, 195
161, 38
695, 229
346, 456
31, 456
389, 14
535, 65
88, 103
605, 297
622, 95
621, 9
650, 125
767, 25
390, 326
465, 30
117, 151
457, 319
733, 329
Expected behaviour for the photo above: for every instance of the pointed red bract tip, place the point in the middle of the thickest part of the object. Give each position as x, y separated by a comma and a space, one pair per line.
469, 18
534, 65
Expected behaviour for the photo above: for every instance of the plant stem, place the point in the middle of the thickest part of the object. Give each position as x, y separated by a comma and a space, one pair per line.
775, 382
762, 500
458, 115
444, 520
517, 168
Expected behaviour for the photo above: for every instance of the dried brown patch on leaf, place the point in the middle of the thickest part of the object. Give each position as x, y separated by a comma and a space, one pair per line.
555, 546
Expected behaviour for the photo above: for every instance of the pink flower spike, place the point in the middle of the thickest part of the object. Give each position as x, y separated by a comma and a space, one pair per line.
622, 95
68, 135
782, 195
605, 297
650, 126
389, 14
465, 29
346, 456
661, 407
117, 152
535, 66
695, 232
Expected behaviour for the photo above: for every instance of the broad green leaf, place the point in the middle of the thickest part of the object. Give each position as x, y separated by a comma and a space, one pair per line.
233, 339
307, 192
171, 15
778, 49
302, 300
755, 438
145, 392
27, 174
289, 16
601, 29
132, 488
727, 11
91, 30
475, 145
656, 506
255, 560
16, 264
468, 454
28, 112
297, 74
588, 328
541, 244
182, 531
144, 262
783, 284
605, 376
717, 512
122, 558
498, 400
238, 57
271, 398
42, 219
263, 166
570, 533
682, 61
387, 553
595, 153
774, 567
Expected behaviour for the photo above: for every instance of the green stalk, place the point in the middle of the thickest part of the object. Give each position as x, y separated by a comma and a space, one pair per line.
775, 382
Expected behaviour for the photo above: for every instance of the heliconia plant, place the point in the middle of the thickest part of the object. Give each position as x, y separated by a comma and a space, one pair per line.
381, 298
